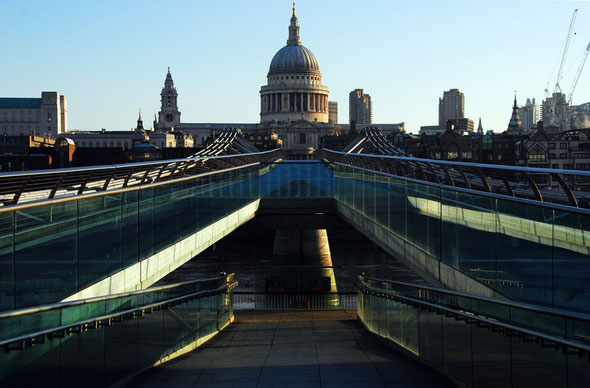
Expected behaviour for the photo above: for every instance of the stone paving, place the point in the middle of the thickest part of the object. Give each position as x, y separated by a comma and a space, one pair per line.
292, 349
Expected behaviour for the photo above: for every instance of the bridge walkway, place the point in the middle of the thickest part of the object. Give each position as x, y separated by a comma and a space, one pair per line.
303, 349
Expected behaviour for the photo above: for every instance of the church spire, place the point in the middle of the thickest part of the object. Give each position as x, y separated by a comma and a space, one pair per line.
515, 124
294, 30
139, 121
480, 127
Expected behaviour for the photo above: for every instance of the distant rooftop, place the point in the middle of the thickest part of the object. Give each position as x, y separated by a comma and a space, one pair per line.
24, 103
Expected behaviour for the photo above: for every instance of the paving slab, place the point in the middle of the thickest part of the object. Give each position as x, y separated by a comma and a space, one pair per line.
293, 349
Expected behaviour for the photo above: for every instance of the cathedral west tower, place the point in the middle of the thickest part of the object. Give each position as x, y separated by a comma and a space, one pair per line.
169, 115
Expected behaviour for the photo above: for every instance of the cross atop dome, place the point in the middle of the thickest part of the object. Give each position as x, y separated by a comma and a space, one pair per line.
294, 30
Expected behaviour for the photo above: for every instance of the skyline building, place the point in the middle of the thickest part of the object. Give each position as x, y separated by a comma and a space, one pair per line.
333, 112
360, 109
451, 107
46, 116
529, 114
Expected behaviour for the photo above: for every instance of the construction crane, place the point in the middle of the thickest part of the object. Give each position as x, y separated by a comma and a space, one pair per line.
565, 48
577, 77
557, 91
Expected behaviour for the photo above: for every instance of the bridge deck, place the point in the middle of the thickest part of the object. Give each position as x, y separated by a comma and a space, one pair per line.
315, 349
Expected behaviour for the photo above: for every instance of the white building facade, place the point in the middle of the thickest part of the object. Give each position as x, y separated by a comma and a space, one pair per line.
46, 116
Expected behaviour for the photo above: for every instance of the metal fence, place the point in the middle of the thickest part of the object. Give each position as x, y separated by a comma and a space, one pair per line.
284, 301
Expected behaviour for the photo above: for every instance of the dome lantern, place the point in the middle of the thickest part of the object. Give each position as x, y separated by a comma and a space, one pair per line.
294, 30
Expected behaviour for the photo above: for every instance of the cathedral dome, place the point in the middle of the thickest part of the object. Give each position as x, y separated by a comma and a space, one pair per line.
294, 59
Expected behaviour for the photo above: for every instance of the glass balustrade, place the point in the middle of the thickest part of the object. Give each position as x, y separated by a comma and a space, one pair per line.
101, 341
475, 352
50, 251
527, 251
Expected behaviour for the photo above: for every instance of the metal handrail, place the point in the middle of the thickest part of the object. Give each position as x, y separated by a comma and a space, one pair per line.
45, 184
476, 176
127, 165
97, 321
508, 303
44, 202
55, 306
542, 339
467, 164
551, 205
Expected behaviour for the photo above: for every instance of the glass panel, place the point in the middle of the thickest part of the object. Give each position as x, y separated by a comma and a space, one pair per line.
99, 231
6, 261
82, 359
469, 226
120, 346
166, 216
431, 337
146, 223
524, 250
571, 241
46, 254
491, 358
457, 349
129, 228
536, 366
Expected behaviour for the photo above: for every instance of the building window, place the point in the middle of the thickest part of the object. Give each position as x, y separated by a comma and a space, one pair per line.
112, 144
118, 144
302, 138
466, 155
452, 155
566, 166
538, 157
551, 156
551, 146
126, 145
500, 156
562, 156
83, 144
562, 146
555, 166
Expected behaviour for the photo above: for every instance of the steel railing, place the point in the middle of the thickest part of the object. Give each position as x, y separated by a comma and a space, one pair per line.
479, 341
519, 182
28, 186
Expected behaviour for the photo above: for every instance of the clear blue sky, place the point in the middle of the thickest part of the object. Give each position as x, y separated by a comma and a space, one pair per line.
110, 57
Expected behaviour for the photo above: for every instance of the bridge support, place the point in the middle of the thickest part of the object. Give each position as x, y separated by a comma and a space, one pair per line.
304, 255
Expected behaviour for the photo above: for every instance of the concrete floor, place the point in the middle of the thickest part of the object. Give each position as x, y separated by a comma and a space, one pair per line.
292, 349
